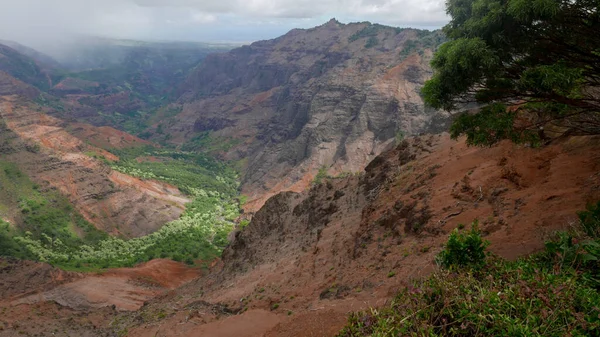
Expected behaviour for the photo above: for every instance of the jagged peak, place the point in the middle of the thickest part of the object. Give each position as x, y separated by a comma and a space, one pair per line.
333, 21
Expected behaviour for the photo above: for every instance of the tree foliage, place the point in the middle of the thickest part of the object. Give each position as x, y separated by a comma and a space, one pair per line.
542, 56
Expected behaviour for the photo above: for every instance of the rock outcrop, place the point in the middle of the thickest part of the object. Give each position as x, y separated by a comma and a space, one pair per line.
114, 202
334, 96
351, 243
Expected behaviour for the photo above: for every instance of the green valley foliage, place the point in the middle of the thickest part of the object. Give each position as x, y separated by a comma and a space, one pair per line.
200, 233
541, 56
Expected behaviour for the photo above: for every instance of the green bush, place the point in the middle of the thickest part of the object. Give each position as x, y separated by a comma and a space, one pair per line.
321, 175
506, 299
8, 246
371, 42
553, 293
464, 249
567, 252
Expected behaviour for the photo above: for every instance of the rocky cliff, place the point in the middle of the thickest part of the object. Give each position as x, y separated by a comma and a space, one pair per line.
333, 96
347, 244
55, 159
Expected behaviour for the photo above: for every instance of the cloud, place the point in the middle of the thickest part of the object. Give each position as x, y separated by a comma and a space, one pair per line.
40, 22
394, 11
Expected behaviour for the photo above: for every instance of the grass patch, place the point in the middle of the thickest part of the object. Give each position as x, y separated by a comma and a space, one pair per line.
46, 216
553, 293
199, 234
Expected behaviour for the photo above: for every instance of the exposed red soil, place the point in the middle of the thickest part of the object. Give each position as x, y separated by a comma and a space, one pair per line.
112, 201
47, 297
157, 189
74, 85
308, 259
11, 86
350, 244
125, 288
105, 137
167, 274
121, 102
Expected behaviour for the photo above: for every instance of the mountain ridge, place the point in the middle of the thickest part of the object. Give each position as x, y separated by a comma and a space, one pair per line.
308, 99
353, 198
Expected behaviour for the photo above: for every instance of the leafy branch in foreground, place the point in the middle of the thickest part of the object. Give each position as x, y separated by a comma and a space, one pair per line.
540, 57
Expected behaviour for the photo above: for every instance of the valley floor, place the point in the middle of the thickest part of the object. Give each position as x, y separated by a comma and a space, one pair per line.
309, 259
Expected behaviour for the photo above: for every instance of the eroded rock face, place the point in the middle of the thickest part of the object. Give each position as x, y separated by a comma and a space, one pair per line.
335, 96
114, 202
399, 212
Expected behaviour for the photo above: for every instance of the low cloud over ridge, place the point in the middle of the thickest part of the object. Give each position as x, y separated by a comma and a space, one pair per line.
44, 22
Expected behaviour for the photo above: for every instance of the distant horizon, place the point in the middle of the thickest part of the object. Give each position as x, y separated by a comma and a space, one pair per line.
69, 40
44, 24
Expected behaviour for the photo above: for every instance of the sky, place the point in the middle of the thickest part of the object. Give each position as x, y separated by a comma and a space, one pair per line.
43, 22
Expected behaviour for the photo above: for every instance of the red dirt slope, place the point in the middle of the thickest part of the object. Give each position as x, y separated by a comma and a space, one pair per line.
114, 202
348, 244
38, 299
308, 259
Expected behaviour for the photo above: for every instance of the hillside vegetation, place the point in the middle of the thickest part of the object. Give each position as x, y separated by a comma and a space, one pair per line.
42, 214
540, 57
200, 233
552, 293
47, 227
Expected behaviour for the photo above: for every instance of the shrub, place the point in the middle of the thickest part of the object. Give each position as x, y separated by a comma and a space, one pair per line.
321, 175
243, 223
554, 293
371, 42
509, 299
566, 253
464, 249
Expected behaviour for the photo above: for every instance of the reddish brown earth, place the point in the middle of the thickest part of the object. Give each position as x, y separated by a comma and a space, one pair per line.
349, 244
72, 85
11, 86
308, 259
124, 288
105, 137
40, 300
112, 201
121, 102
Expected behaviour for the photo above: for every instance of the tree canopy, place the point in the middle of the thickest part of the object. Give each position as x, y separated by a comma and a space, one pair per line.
541, 58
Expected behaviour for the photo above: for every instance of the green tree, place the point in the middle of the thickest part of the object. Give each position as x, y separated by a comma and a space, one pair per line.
542, 57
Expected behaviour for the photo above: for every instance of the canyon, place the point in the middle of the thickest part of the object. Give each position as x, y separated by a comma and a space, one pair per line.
303, 177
